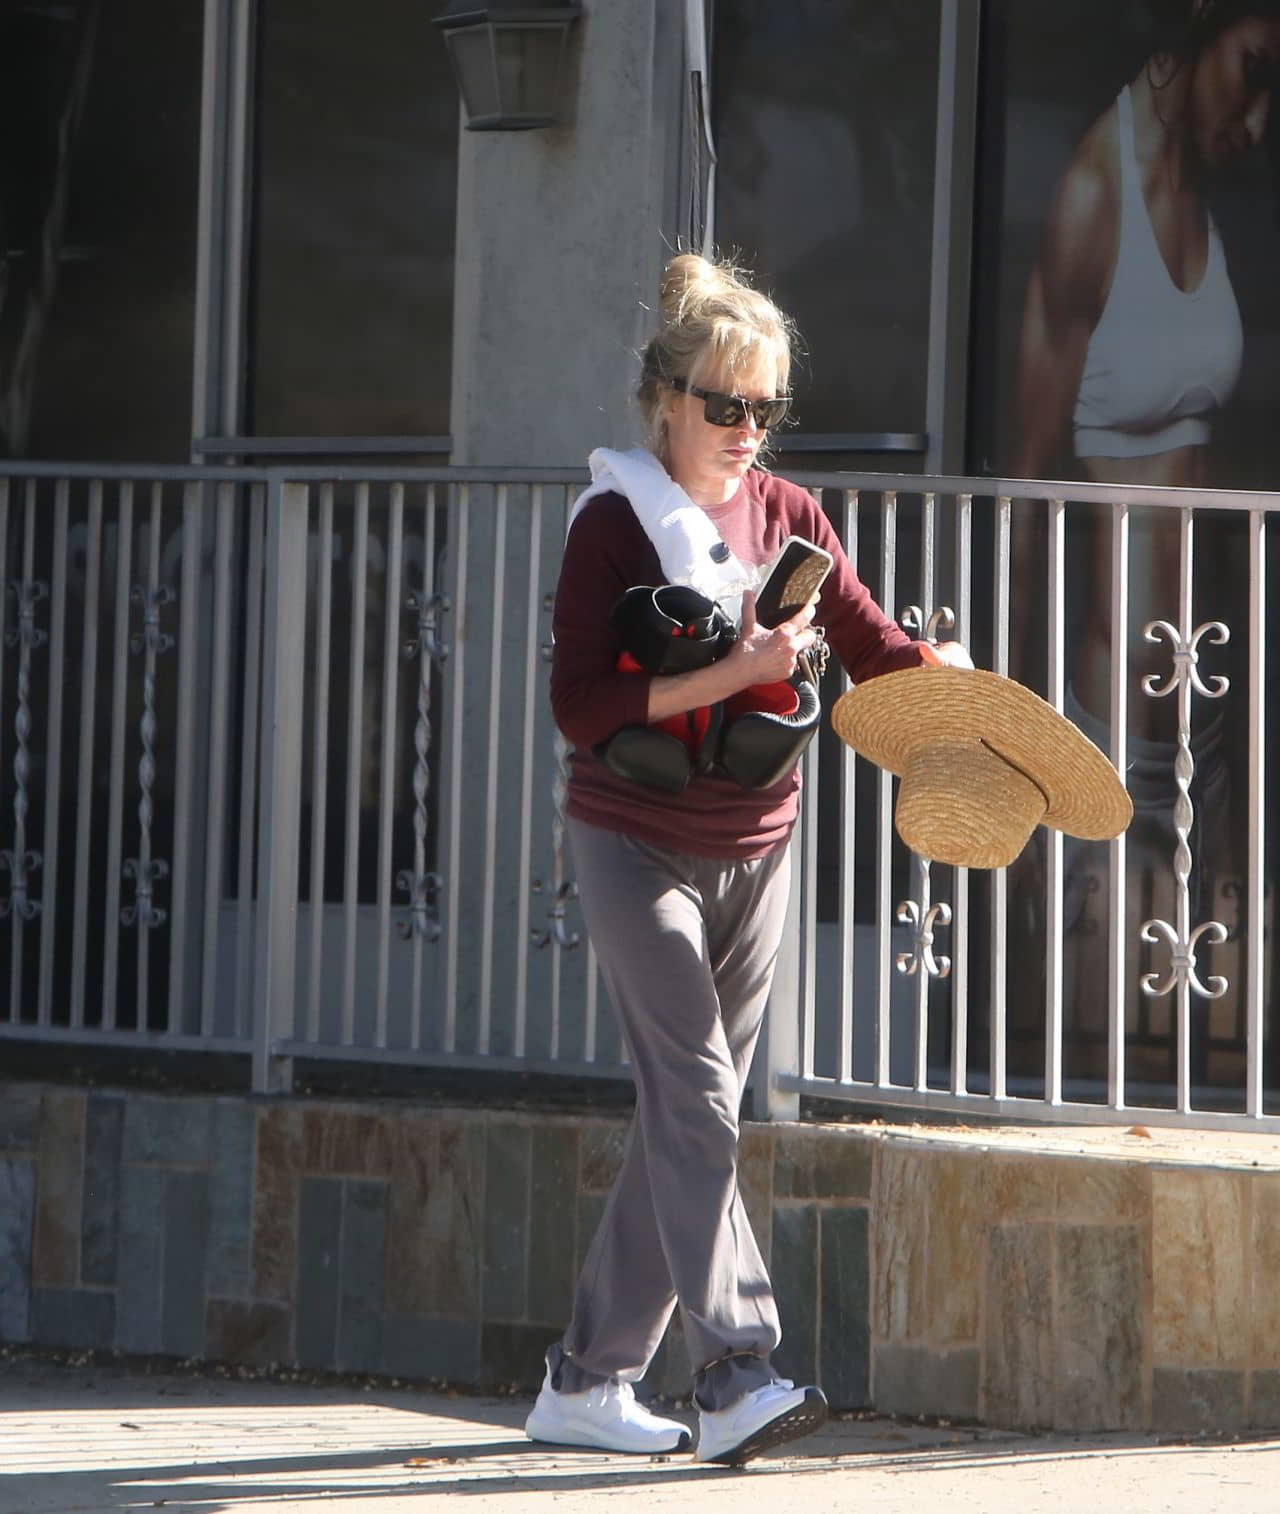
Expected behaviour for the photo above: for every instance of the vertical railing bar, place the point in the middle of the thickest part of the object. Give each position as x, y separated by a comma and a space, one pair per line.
1186, 625
249, 767
923, 868
848, 839
1117, 989
390, 723
1053, 881
592, 1008
808, 884
22, 737
1256, 957
53, 759
959, 979
15, 1007
321, 673
150, 588
219, 726
462, 502
184, 749
1000, 879
84, 783
524, 870
492, 758
275, 946
4, 588
884, 817
115, 783
929, 553
17, 915
559, 781
424, 665
355, 724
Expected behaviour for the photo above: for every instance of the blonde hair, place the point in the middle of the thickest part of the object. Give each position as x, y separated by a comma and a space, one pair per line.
713, 323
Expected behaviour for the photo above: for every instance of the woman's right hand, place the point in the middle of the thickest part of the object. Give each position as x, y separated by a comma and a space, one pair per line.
758, 656
761, 655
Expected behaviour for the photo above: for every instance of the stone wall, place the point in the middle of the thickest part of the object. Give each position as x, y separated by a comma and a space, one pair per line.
1055, 1278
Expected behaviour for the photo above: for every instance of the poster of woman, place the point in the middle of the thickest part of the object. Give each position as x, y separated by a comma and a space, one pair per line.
1131, 316
1131, 342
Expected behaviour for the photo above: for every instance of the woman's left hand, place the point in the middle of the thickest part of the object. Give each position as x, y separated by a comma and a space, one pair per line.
951, 654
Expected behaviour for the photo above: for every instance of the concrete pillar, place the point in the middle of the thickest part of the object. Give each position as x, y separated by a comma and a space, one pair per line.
561, 236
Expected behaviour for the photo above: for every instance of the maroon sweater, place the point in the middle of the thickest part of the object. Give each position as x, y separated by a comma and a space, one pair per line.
608, 552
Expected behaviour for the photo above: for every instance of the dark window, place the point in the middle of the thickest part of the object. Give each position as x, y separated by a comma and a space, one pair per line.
99, 147
353, 250
824, 125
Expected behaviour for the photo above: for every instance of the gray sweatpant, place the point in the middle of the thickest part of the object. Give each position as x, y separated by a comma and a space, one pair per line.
687, 947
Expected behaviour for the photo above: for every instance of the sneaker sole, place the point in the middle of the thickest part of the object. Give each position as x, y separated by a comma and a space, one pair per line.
562, 1436
808, 1415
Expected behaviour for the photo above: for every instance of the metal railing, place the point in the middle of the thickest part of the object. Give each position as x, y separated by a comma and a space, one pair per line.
278, 776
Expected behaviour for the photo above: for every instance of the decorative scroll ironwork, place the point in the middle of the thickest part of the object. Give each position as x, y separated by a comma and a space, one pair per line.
923, 918
926, 628
144, 870
422, 917
1179, 936
427, 643
557, 930
19, 861
146, 873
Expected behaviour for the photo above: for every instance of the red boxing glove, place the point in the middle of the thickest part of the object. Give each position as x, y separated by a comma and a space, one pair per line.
691, 727
781, 698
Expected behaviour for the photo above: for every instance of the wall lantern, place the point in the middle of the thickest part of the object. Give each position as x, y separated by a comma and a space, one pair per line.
509, 60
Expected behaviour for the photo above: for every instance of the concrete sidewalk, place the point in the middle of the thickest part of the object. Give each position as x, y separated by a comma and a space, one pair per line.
96, 1439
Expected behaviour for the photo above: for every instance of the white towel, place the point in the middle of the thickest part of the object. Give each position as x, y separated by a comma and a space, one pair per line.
690, 549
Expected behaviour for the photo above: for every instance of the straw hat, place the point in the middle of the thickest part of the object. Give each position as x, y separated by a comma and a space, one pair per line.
983, 761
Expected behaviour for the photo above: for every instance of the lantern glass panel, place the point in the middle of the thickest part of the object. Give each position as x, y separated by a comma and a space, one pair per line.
528, 60
472, 49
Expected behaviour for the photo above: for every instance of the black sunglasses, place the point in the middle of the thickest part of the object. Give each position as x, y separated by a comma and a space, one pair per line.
732, 409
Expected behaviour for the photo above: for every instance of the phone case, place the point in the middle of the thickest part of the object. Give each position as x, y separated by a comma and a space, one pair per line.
793, 581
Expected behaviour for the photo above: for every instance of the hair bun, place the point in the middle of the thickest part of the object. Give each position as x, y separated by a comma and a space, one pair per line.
684, 278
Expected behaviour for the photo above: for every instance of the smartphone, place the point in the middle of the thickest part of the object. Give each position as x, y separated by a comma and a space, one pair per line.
793, 581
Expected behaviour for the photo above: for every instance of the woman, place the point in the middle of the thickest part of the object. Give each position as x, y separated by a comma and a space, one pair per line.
684, 887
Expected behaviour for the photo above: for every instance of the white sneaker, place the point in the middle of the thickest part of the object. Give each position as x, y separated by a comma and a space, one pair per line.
606, 1417
759, 1421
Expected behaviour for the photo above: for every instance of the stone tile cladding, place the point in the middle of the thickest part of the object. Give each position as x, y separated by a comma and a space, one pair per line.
1088, 1280
1026, 1283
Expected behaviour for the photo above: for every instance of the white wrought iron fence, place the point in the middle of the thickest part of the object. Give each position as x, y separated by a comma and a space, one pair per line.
278, 776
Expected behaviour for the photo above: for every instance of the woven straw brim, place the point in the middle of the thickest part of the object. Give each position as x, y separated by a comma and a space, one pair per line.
889, 718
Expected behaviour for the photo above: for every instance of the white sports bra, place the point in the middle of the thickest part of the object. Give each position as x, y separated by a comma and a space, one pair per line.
1161, 360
